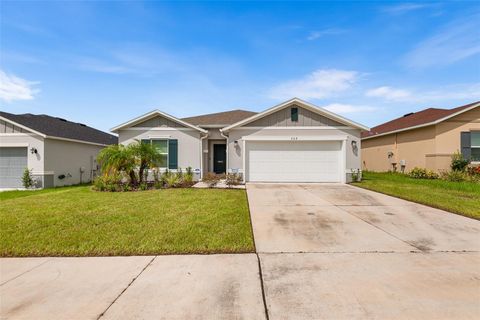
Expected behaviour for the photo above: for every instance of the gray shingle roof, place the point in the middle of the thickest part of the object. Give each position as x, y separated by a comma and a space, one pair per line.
58, 127
220, 118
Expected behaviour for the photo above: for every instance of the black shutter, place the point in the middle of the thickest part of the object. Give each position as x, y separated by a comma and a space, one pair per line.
172, 154
465, 145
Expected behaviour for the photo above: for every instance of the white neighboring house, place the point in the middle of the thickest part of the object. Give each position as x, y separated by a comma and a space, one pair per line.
59, 152
294, 141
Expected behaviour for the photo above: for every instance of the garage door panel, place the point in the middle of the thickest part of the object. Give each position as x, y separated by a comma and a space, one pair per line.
297, 161
13, 161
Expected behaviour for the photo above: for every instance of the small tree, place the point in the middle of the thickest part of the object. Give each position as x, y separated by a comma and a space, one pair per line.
27, 179
145, 157
117, 158
459, 163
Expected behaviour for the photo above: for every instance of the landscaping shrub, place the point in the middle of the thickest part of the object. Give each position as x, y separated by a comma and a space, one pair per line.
233, 179
172, 180
421, 173
27, 179
211, 179
454, 176
459, 163
188, 176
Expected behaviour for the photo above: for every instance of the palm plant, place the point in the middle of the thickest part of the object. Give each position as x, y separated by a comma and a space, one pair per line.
145, 156
116, 159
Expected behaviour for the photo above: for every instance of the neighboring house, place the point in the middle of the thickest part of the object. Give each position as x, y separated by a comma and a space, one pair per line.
294, 141
425, 139
58, 152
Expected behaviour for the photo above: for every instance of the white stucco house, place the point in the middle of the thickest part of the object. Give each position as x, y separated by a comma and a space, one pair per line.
57, 151
294, 141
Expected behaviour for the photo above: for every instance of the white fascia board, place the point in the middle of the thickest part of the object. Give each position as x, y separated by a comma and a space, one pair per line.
158, 129
296, 128
22, 126
423, 124
295, 138
13, 144
303, 104
151, 114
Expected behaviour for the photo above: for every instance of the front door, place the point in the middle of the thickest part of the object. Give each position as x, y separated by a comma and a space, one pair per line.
219, 158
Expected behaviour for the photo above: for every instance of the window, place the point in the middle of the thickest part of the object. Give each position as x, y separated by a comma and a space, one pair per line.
294, 114
162, 148
475, 145
168, 150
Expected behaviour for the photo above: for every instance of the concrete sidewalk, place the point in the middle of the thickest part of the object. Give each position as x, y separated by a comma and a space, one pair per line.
162, 287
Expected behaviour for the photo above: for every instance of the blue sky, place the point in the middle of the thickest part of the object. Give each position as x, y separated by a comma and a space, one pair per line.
102, 63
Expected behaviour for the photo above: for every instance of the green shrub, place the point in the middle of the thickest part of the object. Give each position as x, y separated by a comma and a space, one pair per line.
454, 176
459, 163
188, 176
143, 186
27, 180
172, 181
422, 173
107, 183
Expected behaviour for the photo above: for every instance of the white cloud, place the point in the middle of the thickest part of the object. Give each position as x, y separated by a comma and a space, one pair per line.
456, 41
443, 93
405, 7
320, 33
388, 93
348, 108
317, 85
15, 88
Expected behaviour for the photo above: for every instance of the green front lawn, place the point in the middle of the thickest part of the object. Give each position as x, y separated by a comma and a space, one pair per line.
76, 221
457, 197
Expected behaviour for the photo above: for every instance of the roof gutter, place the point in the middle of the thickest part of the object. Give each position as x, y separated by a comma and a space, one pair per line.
201, 154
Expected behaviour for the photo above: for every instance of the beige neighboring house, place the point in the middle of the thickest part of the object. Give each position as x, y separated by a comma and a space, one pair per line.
59, 152
294, 141
425, 139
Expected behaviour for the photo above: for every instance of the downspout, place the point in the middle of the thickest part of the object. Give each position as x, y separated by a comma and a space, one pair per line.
226, 149
201, 155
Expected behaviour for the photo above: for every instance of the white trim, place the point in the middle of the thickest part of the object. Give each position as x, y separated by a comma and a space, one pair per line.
158, 129
303, 104
423, 124
45, 173
22, 126
343, 162
201, 154
294, 138
212, 126
152, 114
14, 144
77, 141
159, 137
244, 169
226, 152
296, 128
17, 134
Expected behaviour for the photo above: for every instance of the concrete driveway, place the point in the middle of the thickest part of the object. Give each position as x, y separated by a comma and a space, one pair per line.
331, 251
325, 251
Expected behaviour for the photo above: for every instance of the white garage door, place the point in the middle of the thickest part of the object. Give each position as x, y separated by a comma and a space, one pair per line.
293, 161
13, 162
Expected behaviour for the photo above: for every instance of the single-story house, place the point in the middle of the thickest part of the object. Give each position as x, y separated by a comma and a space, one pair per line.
59, 152
294, 141
425, 139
